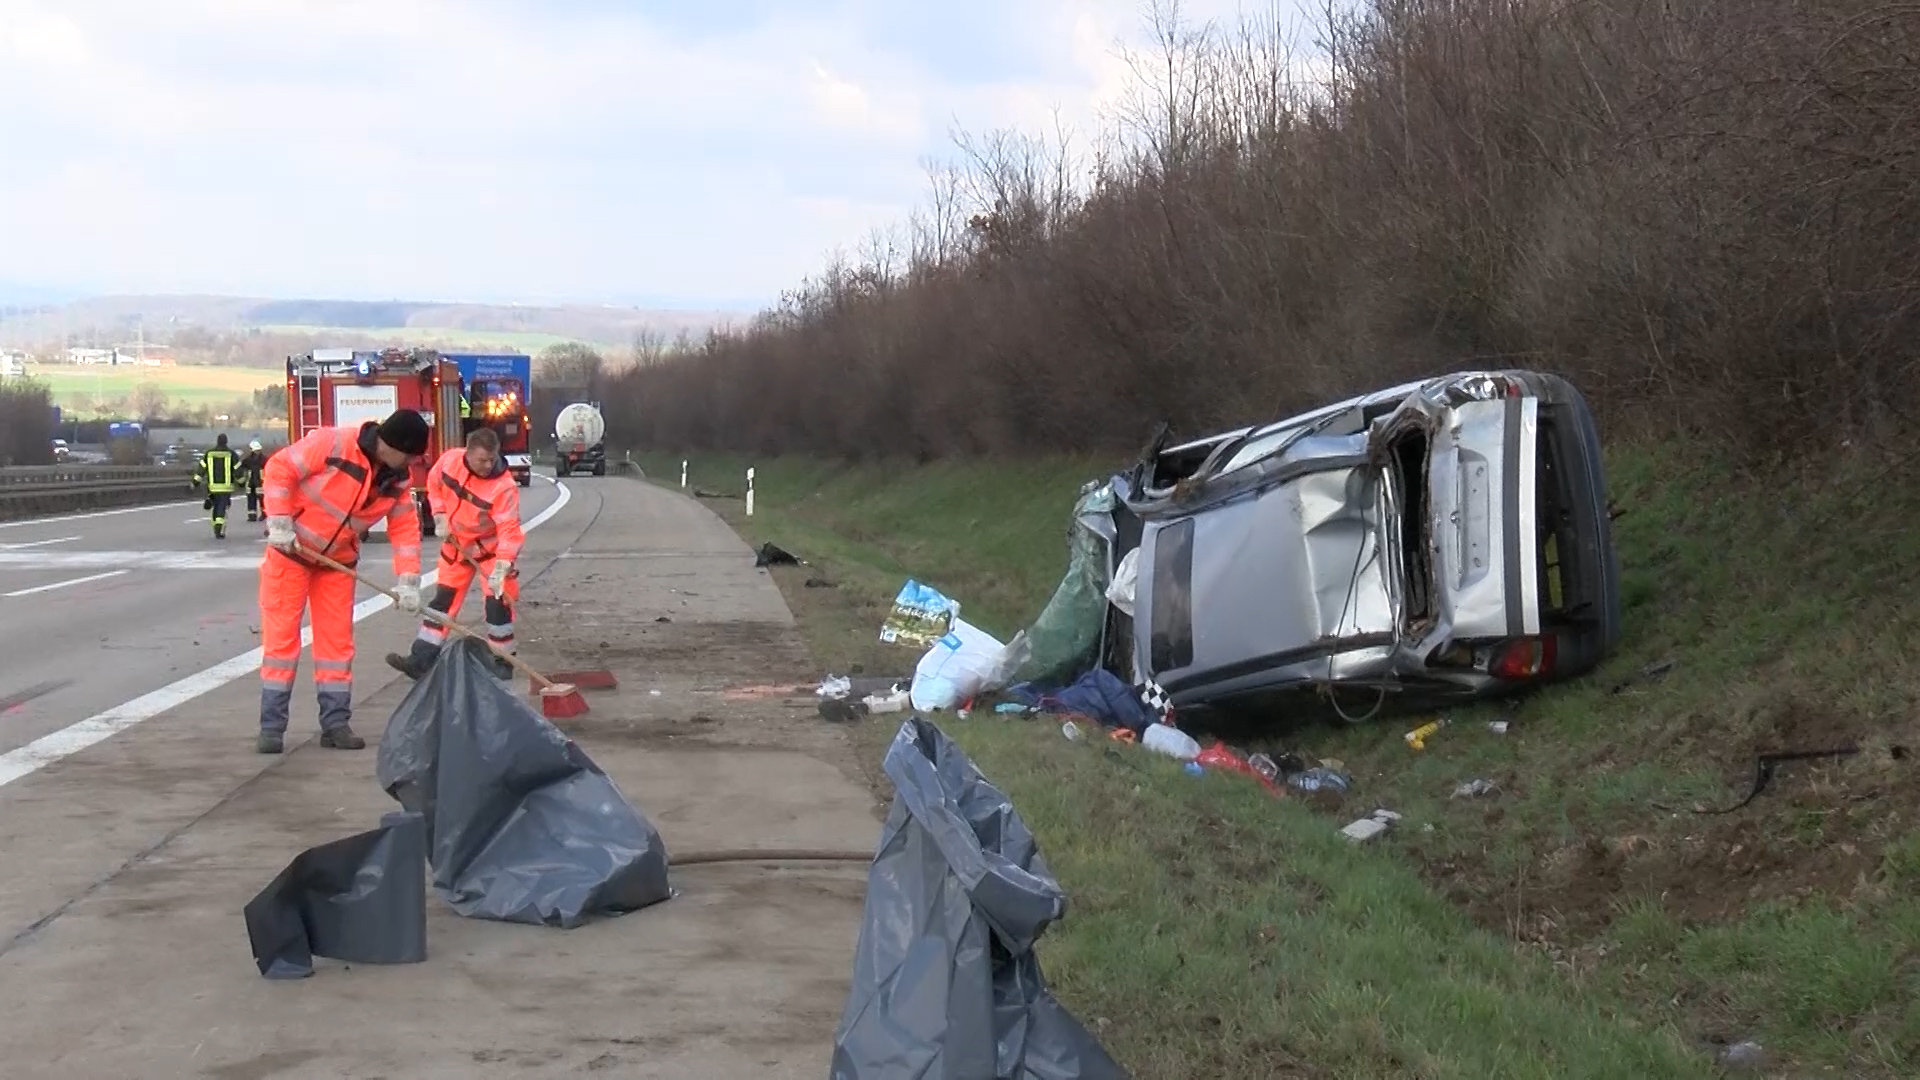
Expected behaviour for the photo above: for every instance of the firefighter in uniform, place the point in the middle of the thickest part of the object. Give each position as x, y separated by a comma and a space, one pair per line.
216, 473
323, 494
252, 468
477, 503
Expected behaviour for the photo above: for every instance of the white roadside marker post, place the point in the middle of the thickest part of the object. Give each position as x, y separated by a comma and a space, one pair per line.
749, 492
683, 474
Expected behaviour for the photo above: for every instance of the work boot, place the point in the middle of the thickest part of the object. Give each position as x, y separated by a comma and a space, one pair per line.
413, 665
502, 669
342, 738
270, 742
219, 532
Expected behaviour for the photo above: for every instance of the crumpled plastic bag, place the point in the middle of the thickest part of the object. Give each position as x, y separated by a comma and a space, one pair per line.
946, 985
1126, 581
522, 826
1066, 633
362, 899
964, 664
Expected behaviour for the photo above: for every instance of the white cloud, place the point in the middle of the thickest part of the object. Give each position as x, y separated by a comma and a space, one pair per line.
491, 148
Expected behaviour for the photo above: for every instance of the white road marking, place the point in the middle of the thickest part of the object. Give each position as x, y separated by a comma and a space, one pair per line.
36, 543
94, 514
143, 560
62, 584
76, 737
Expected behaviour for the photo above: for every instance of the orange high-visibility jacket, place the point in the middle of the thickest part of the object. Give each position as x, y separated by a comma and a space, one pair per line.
325, 483
482, 512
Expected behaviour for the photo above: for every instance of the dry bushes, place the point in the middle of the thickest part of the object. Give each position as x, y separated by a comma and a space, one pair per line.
26, 424
1706, 213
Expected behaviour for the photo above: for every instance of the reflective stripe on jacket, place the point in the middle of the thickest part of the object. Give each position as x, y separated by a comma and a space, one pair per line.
325, 483
482, 512
216, 471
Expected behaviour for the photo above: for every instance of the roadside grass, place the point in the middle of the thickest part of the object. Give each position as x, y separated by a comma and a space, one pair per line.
1564, 926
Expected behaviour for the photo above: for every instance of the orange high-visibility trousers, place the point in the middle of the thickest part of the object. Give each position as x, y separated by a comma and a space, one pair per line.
289, 588
454, 577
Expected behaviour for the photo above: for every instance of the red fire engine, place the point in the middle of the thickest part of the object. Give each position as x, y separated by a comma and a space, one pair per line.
346, 388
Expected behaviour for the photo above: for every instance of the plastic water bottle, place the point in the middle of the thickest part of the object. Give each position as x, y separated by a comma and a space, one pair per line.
1071, 730
1171, 741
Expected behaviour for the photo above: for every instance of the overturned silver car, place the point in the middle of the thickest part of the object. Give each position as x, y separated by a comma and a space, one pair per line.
1440, 540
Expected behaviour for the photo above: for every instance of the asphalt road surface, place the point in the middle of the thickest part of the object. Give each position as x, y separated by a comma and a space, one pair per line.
98, 609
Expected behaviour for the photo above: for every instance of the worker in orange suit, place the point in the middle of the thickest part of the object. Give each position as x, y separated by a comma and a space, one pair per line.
476, 507
322, 494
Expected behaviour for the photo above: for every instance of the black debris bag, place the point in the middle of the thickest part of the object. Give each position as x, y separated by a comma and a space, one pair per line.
772, 554
362, 899
521, 825
946, 985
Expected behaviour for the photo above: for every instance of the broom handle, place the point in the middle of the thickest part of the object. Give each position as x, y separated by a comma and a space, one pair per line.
518, 664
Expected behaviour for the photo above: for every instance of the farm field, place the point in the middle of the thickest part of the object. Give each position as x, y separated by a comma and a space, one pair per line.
194, 385
435, 336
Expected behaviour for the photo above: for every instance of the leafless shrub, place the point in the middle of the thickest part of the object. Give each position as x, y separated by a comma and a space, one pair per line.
1707, 213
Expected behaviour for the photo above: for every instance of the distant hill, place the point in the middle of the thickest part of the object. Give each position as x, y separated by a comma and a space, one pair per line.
117, 318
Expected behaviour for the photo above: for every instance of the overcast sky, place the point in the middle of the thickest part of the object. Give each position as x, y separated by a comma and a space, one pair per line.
684, 152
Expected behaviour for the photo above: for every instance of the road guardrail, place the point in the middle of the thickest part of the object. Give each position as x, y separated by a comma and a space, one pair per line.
37, 489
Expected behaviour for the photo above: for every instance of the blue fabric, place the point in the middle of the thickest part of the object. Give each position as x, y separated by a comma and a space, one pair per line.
1100, 694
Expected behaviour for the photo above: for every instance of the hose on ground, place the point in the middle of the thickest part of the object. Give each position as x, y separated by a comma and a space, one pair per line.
698, 858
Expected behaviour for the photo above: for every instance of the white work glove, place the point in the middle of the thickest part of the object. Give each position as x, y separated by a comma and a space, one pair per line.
407, 593
280, 534
497, 580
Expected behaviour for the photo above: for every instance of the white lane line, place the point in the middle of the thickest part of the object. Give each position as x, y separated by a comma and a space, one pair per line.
62, 584
145, 560
72, 739
36, 543
94, 514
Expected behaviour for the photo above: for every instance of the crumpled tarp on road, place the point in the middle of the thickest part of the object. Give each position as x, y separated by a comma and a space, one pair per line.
522, 826
945, 981
362, 899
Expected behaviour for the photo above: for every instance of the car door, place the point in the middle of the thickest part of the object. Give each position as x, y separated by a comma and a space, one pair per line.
1482, 478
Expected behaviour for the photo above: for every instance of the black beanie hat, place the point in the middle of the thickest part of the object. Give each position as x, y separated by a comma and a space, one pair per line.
221, 441
405, 431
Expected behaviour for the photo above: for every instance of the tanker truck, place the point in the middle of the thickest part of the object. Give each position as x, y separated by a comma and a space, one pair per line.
579, 436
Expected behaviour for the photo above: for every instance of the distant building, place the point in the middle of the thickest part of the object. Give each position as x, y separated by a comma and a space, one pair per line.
13, 365
93, 356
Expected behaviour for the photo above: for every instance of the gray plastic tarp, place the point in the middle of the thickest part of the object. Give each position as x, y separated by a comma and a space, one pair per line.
362, 899
946, 985
522, 826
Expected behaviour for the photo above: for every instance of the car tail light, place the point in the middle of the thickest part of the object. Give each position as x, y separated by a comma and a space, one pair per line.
1525, 658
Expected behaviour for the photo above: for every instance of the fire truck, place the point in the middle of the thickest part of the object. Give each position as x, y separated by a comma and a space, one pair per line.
499, 392
347, 388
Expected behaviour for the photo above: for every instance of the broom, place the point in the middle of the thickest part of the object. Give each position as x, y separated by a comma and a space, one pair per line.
558, 701
582, 680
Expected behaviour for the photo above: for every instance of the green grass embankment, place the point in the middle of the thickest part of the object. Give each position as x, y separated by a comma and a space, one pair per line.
1581, 922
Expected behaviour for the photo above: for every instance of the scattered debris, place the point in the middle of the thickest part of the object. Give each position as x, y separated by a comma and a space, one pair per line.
820, 583
1498, 727
663, 619
1320, 778
1171, 741
361, 899
1653, 672
1370, 826
1764, 767
842, 711
921, 615
893, 701
1012, 708
964, 663
1474, 789
1417, 738
1747, 1056
1071, 730
1222, 758
771, 554
956, 870
835, 686
1098, 694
